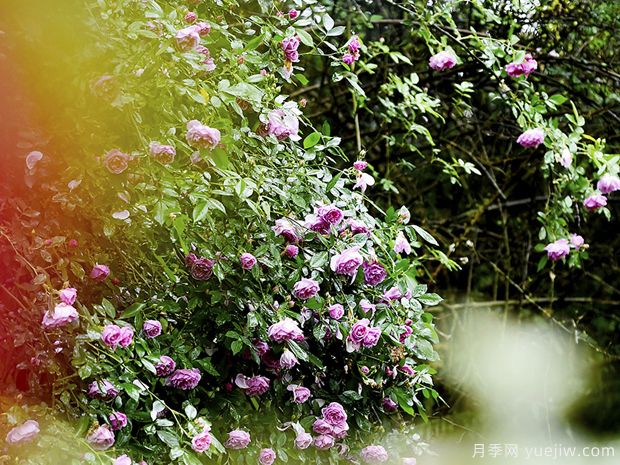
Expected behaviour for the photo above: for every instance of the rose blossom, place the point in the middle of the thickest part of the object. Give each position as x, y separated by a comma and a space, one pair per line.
190, 17
360, 165
203, 28
316, 224
247, 261
188, 38
401, 244
261, 347
393, 293
442, 61
363, 181
372, 336
291, 251
116, 161
293, 13
374, 273
608, 183
164, 154
531, 138
348, 59
595, 201
323, 442
122, 460
334, 414
409, 461
336, 311
254, 386
68, 295
200, 268
62, 315
525, 68
285, 229
357, 227
201, 442
320, 426
389, 405
165, 366
237, 439
305, 288
267, 457
374, 454
101, 438
303, 440
330, 213
288, 360
577, 241
289, 47
285, 330
184, 379
99, 272
300, 393
366, 306
347, 262
118, 420
114, 336
558, 249
201, 136
283, 123
103, 390
151, 328
24, 432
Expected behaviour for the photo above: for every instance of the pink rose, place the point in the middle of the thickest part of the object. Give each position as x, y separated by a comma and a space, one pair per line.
201, 442
301, 394
366, 306
608, 184
253, 386
237, 439
188, 38
531, 138
118, 420
201, 136
336, 311
99, 272
123, 460
267, 457
285, 330
524, 68
285, 229
577, 241
291, 251
372, 337
203, 28
164, 154
359, 332
289, 47
595, 201
247, 261
25, 432
184, 379
151, 328
200, 268
68, 295
293, 13
165, 366
324, 442
442, 61
558, 249
190, 17
334, 414
62, 315
374, 454
320, 426
330, 213
116, 161
305, 288
283, 124
126, 336
360, 165
374, 273
348, 59
288, 360
101, 438
303, 440
103, 390
401, 244
347, 262
392, 294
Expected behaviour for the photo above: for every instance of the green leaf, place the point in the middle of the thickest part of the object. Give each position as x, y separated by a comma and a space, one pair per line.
133, 310
200, 211
169, 438
305, 38
430, 299
311, 140
424, 235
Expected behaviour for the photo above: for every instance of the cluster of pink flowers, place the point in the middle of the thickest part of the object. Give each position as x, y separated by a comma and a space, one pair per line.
531, 138
237, 439
63, 313
525, 68
289, 48
374, 454
561, 248
164, 154
201, 136
353, 51
442, 61
200, 268
114, 336
189, 38
331, 426
287, 329
184, 379
25, 432
605, 185
362, 334
254, 385
283, 124
323, 218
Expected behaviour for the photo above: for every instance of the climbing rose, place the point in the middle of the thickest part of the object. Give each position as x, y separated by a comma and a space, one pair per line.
558, 249
101, 438
330, 214
348, 59
103, 390
114, 336
372, 336
23, 433
525, 68
442, 61
334, 414
116, 161
237, 439
151, 328
577, 241
288, 360
164, 154
62, 315
366, 306
285, 330
389, 405
200, 268
531, 138
289, 47
374, 273
360, 165
247, 261
201, 136
305, 288
122, 460
184, 379
374, 454
201, 441
253, 386
188, 38
165, 366
300, 393
317, 224
190, 17
267, 457
293, 13
203, 28
363, 181
347, 262
303, 440
393, 293
285, 229
323, 442
409, 461
118, 420
100, 272
401, 244
357, 227
595, 201
608, 183
291, 251
283, 123
68, 295
336, 311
